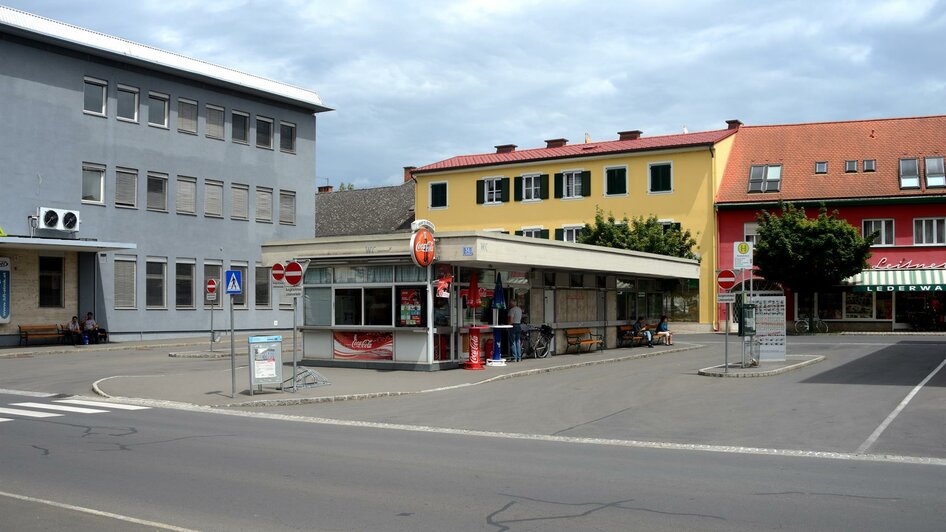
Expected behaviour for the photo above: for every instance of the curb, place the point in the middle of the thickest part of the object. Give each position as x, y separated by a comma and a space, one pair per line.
805, 360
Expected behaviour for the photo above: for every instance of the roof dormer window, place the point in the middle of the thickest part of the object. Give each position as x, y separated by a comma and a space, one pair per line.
821, 167
850, 166
909, 173
935, 174
870, 165
765, 178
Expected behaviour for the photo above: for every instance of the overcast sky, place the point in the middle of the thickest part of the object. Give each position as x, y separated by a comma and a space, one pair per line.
414, 82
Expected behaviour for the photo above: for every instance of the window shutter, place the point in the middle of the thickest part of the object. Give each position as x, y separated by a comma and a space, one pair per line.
124, 284
544, 233
215, 119
544, 186
559, 188
586, 183
126, 187
186, 196
559, 233
240, 197
213, 199
517, 196
264, 205
287, 208
504, 190
480, 192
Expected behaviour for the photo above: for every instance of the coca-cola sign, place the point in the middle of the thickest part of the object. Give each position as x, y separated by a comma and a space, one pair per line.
364, 345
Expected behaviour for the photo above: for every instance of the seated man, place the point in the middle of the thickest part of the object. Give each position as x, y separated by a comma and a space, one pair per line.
75, 330
640, 329
90, 329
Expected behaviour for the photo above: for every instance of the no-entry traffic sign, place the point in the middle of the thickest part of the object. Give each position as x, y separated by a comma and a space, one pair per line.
726, 279
211, 286
278, 272
293, 275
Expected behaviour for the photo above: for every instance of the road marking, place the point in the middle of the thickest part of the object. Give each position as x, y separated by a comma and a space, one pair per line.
99, 513
896, 411
102, 404
2, 419
26, 413
61, 408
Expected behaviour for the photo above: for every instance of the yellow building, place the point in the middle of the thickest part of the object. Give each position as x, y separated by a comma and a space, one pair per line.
552, 192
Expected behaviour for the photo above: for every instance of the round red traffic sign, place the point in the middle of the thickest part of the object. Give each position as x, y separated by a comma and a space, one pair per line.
278, 271
726, 279
293, 273
211, 286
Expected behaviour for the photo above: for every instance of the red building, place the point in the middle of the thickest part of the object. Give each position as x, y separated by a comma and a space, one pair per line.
885, 175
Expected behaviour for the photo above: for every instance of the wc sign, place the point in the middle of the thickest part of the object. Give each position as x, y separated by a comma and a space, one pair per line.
4, 290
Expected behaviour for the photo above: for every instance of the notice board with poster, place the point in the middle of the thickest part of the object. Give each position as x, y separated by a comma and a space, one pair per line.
265, 360
411, 306
770, 326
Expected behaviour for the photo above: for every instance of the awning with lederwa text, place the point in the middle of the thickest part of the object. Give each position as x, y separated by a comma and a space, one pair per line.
899, 280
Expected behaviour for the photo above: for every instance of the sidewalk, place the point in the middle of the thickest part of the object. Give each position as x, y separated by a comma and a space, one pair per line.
185, 371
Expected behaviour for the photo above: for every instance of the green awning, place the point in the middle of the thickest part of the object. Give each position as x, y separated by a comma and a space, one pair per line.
898, 281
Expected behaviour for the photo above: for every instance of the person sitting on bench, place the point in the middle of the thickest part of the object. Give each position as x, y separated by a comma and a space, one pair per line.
91, 329
75, 331
640, 329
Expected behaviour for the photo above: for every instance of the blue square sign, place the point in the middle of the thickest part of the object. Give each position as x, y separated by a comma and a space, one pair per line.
234, 282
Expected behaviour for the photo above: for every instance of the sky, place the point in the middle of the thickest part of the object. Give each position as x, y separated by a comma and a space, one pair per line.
414, 82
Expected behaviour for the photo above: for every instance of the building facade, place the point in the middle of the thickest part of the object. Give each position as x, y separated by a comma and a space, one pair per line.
168, 171
880, 175
552, 192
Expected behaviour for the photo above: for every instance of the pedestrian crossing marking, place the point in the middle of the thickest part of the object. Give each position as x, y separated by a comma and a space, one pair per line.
102, 404
61, 408
26, 413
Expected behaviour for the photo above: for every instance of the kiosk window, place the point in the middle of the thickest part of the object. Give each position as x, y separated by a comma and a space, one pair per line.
412, 306
318, 306
378, 305
348, 306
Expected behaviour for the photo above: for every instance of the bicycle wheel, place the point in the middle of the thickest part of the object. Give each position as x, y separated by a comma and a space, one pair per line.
821, 326
542, 347
801, 326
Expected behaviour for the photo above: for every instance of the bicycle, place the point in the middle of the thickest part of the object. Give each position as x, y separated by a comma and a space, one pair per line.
537, 341
802, 326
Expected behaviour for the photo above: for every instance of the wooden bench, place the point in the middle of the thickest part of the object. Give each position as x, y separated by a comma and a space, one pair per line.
583, 337
28, 332
627, 338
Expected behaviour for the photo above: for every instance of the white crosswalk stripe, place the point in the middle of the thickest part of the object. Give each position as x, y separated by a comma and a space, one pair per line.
61, 408
101, 404
26, 413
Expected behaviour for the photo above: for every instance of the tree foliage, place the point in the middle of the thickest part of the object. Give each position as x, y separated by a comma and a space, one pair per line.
808, 254
639, 234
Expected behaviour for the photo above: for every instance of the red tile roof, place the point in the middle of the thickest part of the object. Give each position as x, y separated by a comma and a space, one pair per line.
703, 138
798, 146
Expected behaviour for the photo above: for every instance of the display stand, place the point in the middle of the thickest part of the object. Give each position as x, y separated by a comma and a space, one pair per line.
476, 360
497, 359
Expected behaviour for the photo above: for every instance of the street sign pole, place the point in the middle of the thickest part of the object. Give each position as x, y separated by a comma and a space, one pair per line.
233, 356
726, 342
295, 303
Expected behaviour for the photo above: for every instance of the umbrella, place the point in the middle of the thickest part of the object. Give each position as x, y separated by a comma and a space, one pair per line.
473, 293
499, 297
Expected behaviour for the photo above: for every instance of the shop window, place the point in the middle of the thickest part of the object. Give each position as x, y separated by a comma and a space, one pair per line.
884, 305
830, 305
858, 305
317, 305
378, 306
348, 306
412, 306
410, 274
318, 276
51, 282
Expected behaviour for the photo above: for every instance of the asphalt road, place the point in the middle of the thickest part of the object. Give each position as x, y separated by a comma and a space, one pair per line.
202, 471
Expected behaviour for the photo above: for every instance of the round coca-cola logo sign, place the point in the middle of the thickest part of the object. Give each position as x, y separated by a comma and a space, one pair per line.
423, 247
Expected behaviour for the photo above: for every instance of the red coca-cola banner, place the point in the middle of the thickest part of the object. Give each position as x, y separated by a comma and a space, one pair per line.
364, 345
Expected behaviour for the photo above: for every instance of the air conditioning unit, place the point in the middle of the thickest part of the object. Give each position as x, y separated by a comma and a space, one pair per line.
58, 219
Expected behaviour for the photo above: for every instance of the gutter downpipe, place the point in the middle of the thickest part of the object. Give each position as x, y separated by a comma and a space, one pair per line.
715, 305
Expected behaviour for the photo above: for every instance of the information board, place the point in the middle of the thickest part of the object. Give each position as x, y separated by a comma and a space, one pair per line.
265, 360
770, 326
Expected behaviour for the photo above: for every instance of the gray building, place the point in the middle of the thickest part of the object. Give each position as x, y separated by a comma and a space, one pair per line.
130, 175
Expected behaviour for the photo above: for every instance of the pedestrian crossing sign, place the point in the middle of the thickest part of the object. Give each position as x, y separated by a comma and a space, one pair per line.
234, 282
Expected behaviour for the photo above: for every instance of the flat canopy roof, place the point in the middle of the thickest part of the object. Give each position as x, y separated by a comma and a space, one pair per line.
481, 249
62, 244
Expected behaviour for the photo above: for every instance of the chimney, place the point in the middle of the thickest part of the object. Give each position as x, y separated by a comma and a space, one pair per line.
325, 189
505, 148
733, 124
408, 173
629, 135
555, 143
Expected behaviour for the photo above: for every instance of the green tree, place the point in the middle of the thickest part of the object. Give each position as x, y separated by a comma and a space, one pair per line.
639, 234
808, 255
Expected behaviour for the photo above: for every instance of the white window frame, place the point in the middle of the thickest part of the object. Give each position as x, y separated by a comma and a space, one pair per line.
246, 130
181, 103
766, 183
936, 178
492, 191
241, 301
532, 232
884, 236
194, 284
939, 232
604, 186
156, 176
180, 201
163, 261
213, 187
235, 203
160, 97
571, 184
750, 232
287, 207
292, 137
430, 195
122, 184
131, 297
909, 180
211, 128
531, 187
650, 177
570, 232
103, 86
98, 169
261, 194
269, 121
128, 89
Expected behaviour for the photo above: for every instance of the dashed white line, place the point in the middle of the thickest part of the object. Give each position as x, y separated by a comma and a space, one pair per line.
61, 408
896, 411
26, 413
90, 511
102, 404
